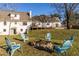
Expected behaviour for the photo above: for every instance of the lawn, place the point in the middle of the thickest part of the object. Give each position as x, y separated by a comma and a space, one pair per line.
57, 37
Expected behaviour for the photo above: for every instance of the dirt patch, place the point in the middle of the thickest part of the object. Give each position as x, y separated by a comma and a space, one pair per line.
3, 52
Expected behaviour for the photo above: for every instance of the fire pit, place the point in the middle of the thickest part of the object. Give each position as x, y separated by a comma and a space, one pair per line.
42, 45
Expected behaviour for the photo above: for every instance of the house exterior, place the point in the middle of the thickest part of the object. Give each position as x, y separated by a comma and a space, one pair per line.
12, 22
53, 23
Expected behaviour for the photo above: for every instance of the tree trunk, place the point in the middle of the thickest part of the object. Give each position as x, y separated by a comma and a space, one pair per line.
67, 20
68, 24
67, 15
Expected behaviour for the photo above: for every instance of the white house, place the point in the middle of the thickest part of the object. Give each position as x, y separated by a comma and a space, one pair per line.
12, 22
53, 23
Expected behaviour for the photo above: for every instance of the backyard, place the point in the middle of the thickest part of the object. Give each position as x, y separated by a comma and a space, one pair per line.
58, 36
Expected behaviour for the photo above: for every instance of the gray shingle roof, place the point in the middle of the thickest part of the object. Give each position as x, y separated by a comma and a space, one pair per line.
4, 16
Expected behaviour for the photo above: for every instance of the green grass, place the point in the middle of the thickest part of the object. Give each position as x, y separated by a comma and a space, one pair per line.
57, 37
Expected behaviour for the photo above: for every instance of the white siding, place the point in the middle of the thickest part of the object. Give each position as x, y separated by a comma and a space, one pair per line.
48, 25
18, 26
38, 24
54, 24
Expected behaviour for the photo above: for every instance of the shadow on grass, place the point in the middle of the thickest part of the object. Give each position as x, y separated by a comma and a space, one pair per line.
6, 48
3, 47
45, 49
18, 39
55, 43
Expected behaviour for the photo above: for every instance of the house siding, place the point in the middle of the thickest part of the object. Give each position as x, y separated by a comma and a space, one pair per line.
18, 26
14, 22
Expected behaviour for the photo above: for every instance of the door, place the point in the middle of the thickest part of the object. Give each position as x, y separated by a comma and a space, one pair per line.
14, 31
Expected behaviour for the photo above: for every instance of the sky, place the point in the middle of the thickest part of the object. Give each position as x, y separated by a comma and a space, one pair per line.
36, 8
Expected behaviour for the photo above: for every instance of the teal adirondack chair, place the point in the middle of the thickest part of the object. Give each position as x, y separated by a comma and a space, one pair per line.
11, 46
66, 45
71, 39
48, 36
24, 37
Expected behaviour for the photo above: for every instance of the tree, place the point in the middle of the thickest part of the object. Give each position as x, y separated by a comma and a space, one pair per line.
55, 15
66, 10
41, 18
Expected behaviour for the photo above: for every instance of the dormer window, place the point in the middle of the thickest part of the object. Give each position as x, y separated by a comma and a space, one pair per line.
28, 14
14, 16
9, 14
24, 23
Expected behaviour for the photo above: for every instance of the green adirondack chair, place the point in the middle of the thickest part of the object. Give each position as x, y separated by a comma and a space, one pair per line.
24, 37
11, 46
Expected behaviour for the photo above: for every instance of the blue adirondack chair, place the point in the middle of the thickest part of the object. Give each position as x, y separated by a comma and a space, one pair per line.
48, 36
24, 37
11, 46
66, 45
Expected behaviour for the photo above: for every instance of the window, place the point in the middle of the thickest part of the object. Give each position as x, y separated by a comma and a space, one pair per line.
24, 23
4, 30
57, 25
28, 14
4, 22
21, 29
9, 14
47, 23
15, 15
38, 23
15, 22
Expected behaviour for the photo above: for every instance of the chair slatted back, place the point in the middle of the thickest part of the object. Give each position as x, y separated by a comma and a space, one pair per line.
67, 44
8, 42
48, 36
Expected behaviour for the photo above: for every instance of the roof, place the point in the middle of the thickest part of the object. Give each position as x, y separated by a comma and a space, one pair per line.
47, 19
4, 15
55, 19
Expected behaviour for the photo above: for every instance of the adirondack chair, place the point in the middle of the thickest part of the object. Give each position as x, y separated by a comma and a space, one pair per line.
66, 45
24, 37
71, 39
48, 36
11, 46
